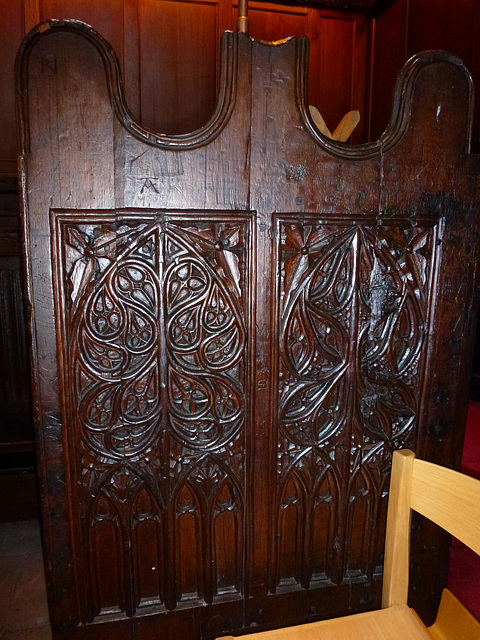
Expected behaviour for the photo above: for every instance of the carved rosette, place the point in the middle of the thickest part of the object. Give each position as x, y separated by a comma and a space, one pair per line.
353, 318
155, 378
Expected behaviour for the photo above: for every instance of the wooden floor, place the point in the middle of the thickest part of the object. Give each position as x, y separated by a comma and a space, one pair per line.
23, 601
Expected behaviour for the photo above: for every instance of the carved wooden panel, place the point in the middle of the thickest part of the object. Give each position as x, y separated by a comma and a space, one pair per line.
155, 312
233, 329
352, 318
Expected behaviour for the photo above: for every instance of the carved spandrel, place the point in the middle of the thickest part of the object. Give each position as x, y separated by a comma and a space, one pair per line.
157, 364
353, 317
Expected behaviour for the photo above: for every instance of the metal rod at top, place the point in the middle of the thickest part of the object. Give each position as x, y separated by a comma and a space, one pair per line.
242, 20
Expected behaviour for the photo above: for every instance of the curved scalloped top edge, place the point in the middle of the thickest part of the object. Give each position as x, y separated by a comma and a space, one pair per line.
400, 114
220, 117
396, 127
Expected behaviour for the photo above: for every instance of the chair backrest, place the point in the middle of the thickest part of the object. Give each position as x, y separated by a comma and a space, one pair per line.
446, 497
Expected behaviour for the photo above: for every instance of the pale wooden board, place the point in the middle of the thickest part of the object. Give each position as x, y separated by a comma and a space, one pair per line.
454, 621
397, 540
448, 498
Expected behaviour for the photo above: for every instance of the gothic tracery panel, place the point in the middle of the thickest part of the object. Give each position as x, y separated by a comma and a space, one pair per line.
352, 320
155, 312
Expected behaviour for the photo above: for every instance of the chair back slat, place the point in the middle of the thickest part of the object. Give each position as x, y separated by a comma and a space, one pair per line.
448, 498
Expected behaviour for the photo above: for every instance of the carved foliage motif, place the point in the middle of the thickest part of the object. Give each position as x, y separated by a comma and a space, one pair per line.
156, 388
352, 319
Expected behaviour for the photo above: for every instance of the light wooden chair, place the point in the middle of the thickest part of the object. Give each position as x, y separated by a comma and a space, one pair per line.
448, 498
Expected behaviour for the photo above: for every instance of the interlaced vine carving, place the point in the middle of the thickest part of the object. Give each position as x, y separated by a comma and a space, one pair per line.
353, 317
336, 280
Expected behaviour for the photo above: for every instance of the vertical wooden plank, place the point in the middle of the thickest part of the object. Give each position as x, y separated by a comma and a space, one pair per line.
226, 21
397, 544
359, 78
31, 14
178, 91
61, 104
12, 34
390, 51
369, 79
227, 16
337, 70
131, 56
272, 22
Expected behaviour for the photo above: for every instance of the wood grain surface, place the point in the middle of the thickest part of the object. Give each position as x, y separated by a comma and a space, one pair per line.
233, 329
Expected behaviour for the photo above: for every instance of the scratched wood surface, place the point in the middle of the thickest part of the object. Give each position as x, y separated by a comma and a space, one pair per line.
232, 331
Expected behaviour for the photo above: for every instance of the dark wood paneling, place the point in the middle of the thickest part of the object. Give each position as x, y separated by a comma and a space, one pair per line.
10, 38
442, 24
180, 37
31, 14
131, 56
388, 56
106, 17
16, 429
271, 22
360, 6
338, 62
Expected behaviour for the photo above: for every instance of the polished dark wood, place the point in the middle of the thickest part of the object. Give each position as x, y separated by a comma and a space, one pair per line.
10, 39
232, 331
361, 6
411, 26
16, 427
182, 39
168, 51
388, 55
382, 42
270, 23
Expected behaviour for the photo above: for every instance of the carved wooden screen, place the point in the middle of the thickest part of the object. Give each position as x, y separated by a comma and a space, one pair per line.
232, 331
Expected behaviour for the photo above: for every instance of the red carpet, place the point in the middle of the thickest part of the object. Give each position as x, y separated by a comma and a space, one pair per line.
464, 575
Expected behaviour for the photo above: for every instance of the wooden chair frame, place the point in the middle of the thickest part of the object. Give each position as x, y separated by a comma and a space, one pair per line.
450, 500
